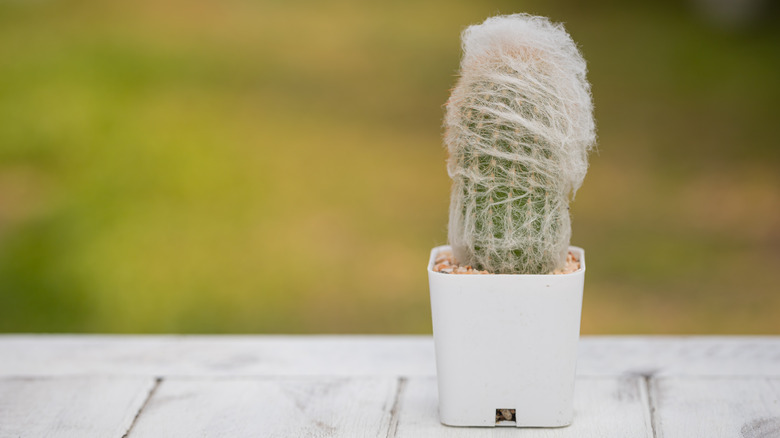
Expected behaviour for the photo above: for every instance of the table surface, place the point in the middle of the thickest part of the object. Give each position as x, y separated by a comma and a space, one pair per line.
366, 386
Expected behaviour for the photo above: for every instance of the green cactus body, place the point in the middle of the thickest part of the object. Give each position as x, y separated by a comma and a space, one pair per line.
513, 159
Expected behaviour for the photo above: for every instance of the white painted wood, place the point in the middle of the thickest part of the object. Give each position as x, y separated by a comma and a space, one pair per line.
32, 355
44, 355
79, 407
87, 386
680, 355
691, 407
269, 408
603, 408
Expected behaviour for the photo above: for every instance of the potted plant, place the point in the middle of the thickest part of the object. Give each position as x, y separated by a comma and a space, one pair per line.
519, 126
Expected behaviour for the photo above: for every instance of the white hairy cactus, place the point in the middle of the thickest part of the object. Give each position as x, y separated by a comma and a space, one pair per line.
519, 126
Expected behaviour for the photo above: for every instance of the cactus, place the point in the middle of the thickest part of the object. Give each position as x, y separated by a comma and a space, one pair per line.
518, 129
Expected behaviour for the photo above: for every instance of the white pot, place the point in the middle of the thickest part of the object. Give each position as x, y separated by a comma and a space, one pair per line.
506, 342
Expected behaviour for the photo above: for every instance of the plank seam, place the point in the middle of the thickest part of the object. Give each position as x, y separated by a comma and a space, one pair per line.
395, 410
157, 382
647, 379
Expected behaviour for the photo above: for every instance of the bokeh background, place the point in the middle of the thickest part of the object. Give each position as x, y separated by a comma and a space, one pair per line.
264, 166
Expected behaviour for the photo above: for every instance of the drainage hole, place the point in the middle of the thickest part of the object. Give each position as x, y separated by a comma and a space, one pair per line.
504, 416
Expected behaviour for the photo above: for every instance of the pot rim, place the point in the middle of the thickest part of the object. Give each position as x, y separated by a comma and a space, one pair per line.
578, 252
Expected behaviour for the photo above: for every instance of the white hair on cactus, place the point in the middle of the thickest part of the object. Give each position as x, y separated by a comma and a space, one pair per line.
519, 126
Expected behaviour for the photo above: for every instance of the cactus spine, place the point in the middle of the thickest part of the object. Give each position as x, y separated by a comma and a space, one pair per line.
519, 126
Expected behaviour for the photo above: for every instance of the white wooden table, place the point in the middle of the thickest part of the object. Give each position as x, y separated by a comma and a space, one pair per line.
365, 386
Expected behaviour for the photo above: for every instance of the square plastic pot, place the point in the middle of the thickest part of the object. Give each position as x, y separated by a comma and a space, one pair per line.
506, 342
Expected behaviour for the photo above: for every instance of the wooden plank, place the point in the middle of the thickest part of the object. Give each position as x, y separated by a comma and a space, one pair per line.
71, 406
267, 407
680, 355
689, 407
603, 407
34, 355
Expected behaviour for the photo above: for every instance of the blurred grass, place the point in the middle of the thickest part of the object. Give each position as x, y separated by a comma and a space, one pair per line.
267, 167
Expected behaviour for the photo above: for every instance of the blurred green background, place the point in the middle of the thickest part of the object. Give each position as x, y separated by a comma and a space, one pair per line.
277, 167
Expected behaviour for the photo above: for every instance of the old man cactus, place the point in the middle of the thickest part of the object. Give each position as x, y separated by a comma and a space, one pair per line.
519, 126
